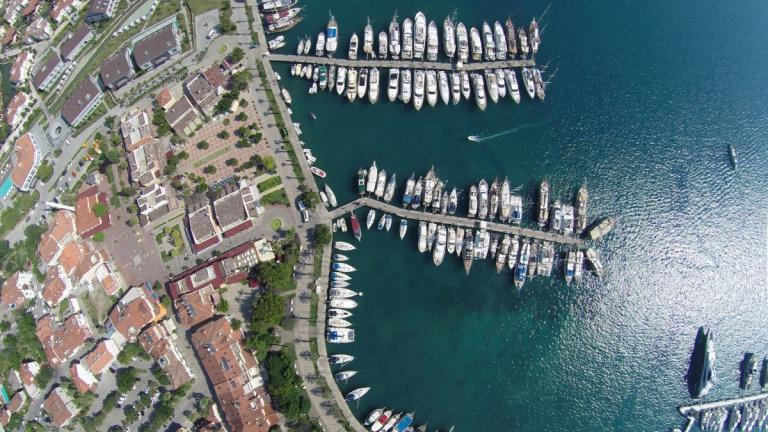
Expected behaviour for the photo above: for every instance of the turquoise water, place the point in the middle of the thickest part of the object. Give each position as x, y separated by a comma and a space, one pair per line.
6, 187
645, 101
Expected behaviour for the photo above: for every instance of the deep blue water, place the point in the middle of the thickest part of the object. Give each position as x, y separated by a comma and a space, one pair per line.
646, 98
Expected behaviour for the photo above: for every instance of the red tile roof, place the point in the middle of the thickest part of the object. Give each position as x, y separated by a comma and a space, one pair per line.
11, 291
54, 288
19, 64
14, 108
61, 229
61, 340
26, 154
102, 356
156, 341
87, 222
60, 407
134, 311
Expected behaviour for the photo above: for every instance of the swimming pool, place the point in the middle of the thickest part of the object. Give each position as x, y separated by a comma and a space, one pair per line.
5, 189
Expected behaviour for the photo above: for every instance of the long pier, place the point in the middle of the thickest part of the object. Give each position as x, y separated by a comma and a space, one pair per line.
704, 406
453, 220
412, 64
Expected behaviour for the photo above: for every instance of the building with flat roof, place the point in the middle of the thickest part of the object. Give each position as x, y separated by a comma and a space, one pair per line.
234, 375
203, 231
145, 164
202, 93
157, 47
21, 67
82, 102
117, 70
75, 42
27, 159
153, 202
100, 10
49, 72
39, 30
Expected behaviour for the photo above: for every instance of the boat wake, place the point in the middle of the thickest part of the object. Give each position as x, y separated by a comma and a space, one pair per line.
480, 138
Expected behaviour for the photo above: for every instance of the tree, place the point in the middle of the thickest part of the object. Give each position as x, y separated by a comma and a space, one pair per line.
241, 117
109, 122
111, 155
230, 162
100, 209
223, 134
131, 351
98, 237
236, 324
311, 199
284, 385
210, 169
44, 376
162, 126
236, 55
222, 307
240, 80
268, 310
45, 172
125, 379
269, 163
202, 145
322, 235
225, 102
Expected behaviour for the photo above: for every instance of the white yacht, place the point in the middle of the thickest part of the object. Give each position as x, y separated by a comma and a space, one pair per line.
331, 36
445, 91
383, 45
476, 44
368, 39
381, 184
490, 47
373, 85
341, 80
394, 84
431, 87
362, 82
501, 82
449, 37
432, 42
407, 39
463, 42
479, 91
466, 87
353, 42
418, 89
530, 86
406, 85
455, 87
523, 41
373, 174
394, 38
493, 87
512, 88
351, 84
500, 40
320, 45
419, 35
440, 245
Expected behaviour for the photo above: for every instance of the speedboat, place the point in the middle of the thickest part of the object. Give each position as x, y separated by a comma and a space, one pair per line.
381, 421
373, 416
407, 39
342, 267
373, 85
530, 86
331, 36
466, 88
462, 42
469, 250
340, 359
299, 49
513, 88
431, 87
353, 42
357, 393
394, 38
340, 335
387, 221
403, 227
449, 37
320, 45
472, 201
419, 35
418, 89
493, 87
362, 82
440, 245
511, 38
405, 86
341, 80
489, 45
445, 92
404, 423
331, 196
344, 246
394, 81
500, 41
543, 203
476, 44
339, 313
373, 174
343, 303
453, 202
390, 423
389, 189
370, 219
432, 43
381, 182
479, 91
317, 171
455, 87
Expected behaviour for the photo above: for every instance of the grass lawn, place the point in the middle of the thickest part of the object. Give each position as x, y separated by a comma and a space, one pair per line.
16, 212
276, 197
276, 224
269, 183
223, 49
165, 9
96, 304
213, 156
201, 6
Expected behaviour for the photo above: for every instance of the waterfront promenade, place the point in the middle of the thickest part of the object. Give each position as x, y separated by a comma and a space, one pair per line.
453, 220
408, 64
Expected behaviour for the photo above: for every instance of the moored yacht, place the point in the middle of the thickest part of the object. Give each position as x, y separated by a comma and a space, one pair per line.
453, 200
579, 266
362, 83
407, 39
479, 91
370, 219
381, 182
597, 266
493, 204
403, 228
320, 45
459, 241
502, 254
431, 87
445, 91
533, 35
341, 80
469, 250
383, 45
533, 260
523, 41
373, 85
419, 35
417, 189
500, 41
450, 248
358, 233
482, 200
449, 37
373, 174
432, 42
422, 237
331, 36
530, 86
353, 42
351, 84
556, 221
504, 203
394, 38
405, 86
581, 208
418, 89
501, 82
516, 209
408, 193
462, 42
543, 203
472, 201
570, 266
340, 335
368, 38
389, 189
511, 38
331, 77
539, 83
394, 84
455, 87
522, 265
493, 87
466, 87
546, 259
488, 44
476, 44
514, 247
440, 245
512, 88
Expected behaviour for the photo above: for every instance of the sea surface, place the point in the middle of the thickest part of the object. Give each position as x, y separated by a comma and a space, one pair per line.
646, 98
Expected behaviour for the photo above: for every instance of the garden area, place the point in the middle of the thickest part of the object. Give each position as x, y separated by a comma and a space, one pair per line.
170, 242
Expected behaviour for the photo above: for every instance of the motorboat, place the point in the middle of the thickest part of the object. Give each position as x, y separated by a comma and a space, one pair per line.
394, 84
343, 303
403, 228
512, 87
340, 359
317, 171
501, 83
543, 203
466, 88
500, 41
339, 313
340, 257
331, 36
389, 189
407, 39
493, 87
408, 193
382, 420
476, 44
445, 92
449, 37
394, 38
370, 219
357, 394
570, 266
373, 175
459, 241
469, 251
488, 44
331, 196
440, 245
602, 228
431, 87
383, 45
368, 39
373, 85
594, 261
511, 37
374, 415
502, 254
504, 201
514, 247
523, 41
362, 82
419, 35
387, 221
320, 45
353, 45
340, 334
342, 267
405, 86
450, 247
530, 86
455, 87
432, 42
422, 243
453, 202
462, 42
521, 269
473, 204
358, 233
418, 89
381, 183
331, 77
341, 80
342, 292
479, 91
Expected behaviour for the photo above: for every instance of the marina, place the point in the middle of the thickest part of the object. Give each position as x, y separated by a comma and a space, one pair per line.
409, 64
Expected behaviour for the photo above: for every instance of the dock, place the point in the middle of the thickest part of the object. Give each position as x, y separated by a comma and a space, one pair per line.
688, 410
453, 220
403, 64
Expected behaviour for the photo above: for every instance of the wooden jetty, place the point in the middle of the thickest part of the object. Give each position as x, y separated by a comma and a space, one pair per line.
403, 64
453, 220
686, 410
